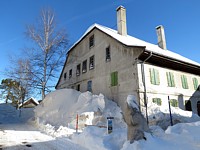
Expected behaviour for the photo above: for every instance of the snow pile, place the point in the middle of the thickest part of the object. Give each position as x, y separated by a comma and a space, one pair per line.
57, 116
159, 115
183, 136
55, 109
132, 101
98, 139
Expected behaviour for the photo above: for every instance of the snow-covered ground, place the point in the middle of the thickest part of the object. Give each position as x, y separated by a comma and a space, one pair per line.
55, 125
17, 134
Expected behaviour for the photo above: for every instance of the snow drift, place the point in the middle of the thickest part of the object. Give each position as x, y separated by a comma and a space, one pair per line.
57, 117
61, 107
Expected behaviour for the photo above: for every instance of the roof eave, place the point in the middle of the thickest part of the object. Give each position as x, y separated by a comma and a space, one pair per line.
169, 62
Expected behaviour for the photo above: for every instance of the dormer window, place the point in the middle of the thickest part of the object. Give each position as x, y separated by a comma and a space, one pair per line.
70, 73
91, 64
91, 41
108, 58
78, 70
84, 68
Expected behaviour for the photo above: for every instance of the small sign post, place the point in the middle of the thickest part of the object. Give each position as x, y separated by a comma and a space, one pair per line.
109, 124
77, 123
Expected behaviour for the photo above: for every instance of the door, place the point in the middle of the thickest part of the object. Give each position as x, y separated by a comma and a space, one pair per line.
198, 108
188, 106
89, 86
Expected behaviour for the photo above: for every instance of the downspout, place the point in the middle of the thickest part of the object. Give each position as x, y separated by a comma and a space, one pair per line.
144, 83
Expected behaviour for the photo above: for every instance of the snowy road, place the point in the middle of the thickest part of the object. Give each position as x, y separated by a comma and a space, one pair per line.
16, 134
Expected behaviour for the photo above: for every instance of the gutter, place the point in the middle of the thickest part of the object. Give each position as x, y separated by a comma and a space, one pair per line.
144, 83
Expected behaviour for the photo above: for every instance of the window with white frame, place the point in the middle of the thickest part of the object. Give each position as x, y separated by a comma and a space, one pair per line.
91, 63
108, 58
91, 41
84, 66
70, 73
78, 70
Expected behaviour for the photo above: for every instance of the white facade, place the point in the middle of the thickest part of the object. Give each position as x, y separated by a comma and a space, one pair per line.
163, 90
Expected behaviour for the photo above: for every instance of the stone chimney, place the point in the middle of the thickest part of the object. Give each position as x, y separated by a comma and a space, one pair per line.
121, 21
161, 37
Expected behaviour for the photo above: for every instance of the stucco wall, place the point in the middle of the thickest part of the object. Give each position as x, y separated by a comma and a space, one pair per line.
122, 60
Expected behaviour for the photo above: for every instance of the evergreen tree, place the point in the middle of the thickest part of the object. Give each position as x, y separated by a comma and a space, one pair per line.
13, 91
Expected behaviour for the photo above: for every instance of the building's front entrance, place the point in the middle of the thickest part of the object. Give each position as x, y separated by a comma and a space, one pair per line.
198, 108
89, 86
188, 106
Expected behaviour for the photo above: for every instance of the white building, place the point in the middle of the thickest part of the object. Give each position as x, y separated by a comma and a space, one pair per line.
111, 62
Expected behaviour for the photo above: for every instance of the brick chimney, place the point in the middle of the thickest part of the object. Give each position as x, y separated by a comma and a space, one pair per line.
121, 21
161, 37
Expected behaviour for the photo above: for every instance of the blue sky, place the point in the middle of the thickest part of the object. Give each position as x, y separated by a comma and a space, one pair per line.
180, 18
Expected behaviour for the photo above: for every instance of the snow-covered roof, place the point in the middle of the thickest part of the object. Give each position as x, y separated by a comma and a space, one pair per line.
132, 41
31, 98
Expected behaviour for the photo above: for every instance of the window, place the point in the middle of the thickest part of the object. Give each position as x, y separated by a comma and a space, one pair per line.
91, 64
78, 69
84, 68
114, 78
65, 75
174, 102
154, 74
108, 54
195, 83
89, 86
170, 79
184, 81
91, 41
157, 101
70, 73
78, 87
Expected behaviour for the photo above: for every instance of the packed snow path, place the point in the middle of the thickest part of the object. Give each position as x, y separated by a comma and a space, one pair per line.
17, 134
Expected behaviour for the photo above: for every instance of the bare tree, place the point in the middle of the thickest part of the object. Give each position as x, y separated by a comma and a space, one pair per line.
49, 50
20, 71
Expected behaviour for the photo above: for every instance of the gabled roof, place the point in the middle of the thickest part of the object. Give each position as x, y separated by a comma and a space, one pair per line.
30, 99
132, 41
135, 42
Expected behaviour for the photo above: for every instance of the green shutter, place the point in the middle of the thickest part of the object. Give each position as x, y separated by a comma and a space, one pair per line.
114, 78
157, 101
170, 79
184, 82
154, 76
151, 76
195, 83
157, 78
174, 102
